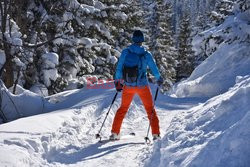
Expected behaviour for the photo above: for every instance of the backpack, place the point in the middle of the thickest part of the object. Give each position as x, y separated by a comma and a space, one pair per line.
130, 70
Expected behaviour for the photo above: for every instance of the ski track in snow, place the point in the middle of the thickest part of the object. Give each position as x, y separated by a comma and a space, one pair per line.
74, 143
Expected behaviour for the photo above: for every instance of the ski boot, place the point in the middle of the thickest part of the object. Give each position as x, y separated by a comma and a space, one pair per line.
156, 137
114, 136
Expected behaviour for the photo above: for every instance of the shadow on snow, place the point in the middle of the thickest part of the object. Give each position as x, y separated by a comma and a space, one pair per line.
73, 154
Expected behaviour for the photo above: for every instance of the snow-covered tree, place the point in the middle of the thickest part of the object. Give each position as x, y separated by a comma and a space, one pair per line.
86, 35
243, 4
200, 24
185, 52
207, 43
161, 42
11, 44
223, 9
124, 16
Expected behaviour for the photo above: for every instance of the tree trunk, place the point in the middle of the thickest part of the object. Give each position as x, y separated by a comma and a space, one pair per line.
8, 75
7, 69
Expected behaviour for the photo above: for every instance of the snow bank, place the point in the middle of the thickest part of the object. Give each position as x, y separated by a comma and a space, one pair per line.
219, 71
215, 133
52, 139
40, 89
19, 89
24, 104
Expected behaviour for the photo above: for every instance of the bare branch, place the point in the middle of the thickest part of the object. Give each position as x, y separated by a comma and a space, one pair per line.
16, 82
42, 43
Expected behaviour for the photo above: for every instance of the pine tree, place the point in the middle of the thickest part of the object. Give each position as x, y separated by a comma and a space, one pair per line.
185, 52
11, 45
200, 24
223, 8
123, 19
161, 42
244, 4
87, 35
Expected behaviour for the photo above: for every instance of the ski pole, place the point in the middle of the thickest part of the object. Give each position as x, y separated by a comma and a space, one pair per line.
151, 117
98, 134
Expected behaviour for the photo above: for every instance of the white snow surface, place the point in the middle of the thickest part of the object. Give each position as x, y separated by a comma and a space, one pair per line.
66, 136
50, 60
194, 131
49, 72
24, 104
215, 133
39, 89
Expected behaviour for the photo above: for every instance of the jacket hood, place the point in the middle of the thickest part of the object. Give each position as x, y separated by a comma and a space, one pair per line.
136, 49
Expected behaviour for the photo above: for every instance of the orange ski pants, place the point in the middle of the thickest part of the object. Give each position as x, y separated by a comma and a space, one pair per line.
127, 97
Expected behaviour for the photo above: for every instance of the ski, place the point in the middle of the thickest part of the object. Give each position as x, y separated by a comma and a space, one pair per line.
130, 135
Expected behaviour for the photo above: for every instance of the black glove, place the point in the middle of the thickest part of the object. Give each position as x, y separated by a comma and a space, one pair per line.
160, 81
118, 86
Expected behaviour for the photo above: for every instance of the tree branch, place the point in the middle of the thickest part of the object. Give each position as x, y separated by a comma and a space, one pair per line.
42, 43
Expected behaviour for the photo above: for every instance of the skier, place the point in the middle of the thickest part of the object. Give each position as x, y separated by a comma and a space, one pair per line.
131, 77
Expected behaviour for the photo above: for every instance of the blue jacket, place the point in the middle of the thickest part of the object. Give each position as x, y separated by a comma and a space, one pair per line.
134, 59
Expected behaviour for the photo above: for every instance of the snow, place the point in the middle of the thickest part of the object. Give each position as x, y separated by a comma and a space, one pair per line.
113, 60
214, 132
219, 71
49, 75
14, 106
121, 15
49, 71
211, 134
98, 25
192, 129
19, 89
67, 136
17, 42
18, 62
99, 5
73, 84
204, 120
2, 58
50, 60
195, 130
39, 89
87, 42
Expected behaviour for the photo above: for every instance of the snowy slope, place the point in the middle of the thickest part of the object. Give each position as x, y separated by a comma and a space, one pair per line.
25, 103
195, 131
215, 133
231, 59
66, 137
